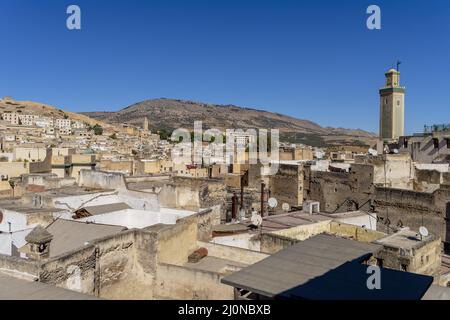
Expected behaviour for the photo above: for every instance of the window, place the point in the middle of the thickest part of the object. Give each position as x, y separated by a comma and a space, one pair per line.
380, 262
436, 143
404, 267
405, 143
448, 143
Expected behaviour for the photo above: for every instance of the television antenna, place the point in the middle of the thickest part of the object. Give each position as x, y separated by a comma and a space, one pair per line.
398, 65
256, 219
272, 202
373, 152
423, 232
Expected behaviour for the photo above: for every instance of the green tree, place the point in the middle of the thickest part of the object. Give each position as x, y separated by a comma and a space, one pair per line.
98, 130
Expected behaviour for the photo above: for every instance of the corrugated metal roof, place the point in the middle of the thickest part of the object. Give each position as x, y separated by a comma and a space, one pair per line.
16, 289
69, 235
298, 264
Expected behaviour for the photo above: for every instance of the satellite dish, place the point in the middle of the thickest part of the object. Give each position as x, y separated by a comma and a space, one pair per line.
423, 231
256, 219
286, 207
373, 152
396, 151
272, 202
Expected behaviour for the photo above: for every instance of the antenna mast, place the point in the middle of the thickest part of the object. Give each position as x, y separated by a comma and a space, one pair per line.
398, 65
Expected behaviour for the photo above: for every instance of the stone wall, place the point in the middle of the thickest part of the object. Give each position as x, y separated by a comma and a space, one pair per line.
287, 185
425, 259
206, 219
19, 267
177, 242
232, 253
354, 232
271, 243
192, 194
340, 191
185, 283
101, 180
126, 265
303, 232
414, 209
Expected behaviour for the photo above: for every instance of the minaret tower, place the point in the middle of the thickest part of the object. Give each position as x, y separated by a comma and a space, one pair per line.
392, 107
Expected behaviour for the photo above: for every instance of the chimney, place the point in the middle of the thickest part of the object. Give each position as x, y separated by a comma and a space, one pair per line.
262, 199
39, 243
234, 206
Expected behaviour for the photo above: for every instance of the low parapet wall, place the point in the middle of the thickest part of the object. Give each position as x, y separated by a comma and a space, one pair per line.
102, 180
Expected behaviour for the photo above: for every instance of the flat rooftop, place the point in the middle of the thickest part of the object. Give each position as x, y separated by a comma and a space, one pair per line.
16, 289
217, 265
289, 220
16, 204
71, 191
405, 239
132, 218
69, 235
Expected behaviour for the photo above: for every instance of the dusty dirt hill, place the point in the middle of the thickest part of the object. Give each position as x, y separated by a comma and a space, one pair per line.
44, 110
169, 114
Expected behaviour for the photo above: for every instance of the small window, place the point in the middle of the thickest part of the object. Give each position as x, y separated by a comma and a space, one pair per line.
436, 143
405, 143
380, 262
448, 143
404, 267
398, 102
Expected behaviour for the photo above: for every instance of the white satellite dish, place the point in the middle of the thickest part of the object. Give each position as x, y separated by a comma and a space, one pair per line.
256, 219
272, 202
423, 231
373, 152
286, 207
396, 151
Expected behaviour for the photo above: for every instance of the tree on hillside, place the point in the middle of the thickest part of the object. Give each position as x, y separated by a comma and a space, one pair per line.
98, 130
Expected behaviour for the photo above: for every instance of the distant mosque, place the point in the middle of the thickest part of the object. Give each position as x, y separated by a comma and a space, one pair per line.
392, 107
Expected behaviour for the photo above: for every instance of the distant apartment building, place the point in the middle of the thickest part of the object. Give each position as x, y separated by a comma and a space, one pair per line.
11, 117
432, 146
28, 119
15, 118
44, 122
242, 139
65, 131
78, 125
62, 123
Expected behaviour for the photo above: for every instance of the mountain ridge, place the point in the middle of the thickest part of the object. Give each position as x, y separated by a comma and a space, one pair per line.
169, 114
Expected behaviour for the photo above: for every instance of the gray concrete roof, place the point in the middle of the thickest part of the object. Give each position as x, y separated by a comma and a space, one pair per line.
39, 236
69, 235
106, 208
16, 289
70, 191
405, 239
437, 293
298, 264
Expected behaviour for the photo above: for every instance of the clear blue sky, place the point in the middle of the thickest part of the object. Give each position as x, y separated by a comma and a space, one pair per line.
314, 60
